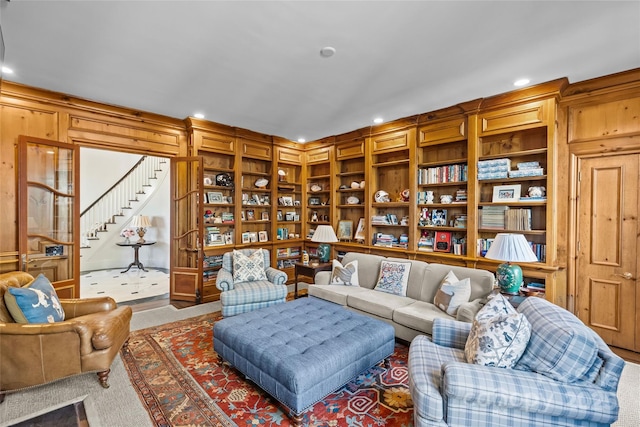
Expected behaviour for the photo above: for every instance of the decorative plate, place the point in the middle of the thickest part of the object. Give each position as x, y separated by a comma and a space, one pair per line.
261, 182
353, 200
224, 180
315, 188
207, 181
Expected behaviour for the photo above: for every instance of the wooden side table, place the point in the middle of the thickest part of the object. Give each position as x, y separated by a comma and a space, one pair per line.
309, 271
136, 248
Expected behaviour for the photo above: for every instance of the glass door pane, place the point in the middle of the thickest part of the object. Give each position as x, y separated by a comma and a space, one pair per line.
49, 212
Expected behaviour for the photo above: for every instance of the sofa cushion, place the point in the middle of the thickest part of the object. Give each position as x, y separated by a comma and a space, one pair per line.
344, 275
416, 276
36, 302
368, 267
380, 304
419, 316
499, 339
452, 293
393, 277
481, 280
333, 293
248, 268
561, 346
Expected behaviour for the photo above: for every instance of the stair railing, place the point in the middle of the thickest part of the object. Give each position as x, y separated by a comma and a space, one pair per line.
118, 198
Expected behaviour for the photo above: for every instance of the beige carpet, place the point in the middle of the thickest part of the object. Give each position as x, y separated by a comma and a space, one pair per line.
119, 405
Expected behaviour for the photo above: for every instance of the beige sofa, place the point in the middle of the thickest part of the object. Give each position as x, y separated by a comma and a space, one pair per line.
411, 315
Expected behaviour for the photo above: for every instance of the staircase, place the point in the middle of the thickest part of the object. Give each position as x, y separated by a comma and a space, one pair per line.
102, 222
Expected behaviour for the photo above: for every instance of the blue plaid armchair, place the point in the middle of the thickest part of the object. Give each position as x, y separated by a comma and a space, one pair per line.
567, 376
241, 297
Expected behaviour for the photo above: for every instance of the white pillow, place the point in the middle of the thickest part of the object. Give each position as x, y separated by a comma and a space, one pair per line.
393, 277
344, 275
452, 294
499, 335
248, 268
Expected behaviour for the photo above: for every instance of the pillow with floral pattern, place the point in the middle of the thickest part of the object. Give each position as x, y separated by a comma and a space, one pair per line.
394, 277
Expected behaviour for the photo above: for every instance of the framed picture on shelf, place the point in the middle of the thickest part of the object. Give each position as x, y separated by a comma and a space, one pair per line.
359, 230
245, 238
506, 193
263, 236
345, 230
251, 216
439, 217
228, 238
264, 216
393, 219
215, 197
242, 217
253, 237
279, 216
314, 201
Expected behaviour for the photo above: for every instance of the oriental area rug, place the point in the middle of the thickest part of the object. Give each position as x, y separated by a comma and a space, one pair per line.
181, 382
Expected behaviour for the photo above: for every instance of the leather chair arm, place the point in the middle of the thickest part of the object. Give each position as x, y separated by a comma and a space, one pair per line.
81, 307
36, 328
98, 330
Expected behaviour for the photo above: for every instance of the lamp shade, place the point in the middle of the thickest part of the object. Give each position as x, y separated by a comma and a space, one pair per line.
324, 234
510, 248
140, 221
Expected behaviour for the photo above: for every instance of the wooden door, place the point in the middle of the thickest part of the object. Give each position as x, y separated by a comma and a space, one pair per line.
49, 216
607, 266
186, 229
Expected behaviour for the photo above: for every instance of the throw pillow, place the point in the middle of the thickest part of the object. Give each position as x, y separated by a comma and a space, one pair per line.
393, 277
248, 268
452, 293
499, 335
36, 302
346, 275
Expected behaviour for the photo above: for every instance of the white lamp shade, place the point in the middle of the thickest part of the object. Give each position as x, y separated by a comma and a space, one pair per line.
140, 221
511, 248
324, 234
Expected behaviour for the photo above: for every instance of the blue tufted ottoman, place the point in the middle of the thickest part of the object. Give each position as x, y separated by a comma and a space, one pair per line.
301, 351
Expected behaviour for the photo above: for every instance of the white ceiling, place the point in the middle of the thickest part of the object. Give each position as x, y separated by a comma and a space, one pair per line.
256, 64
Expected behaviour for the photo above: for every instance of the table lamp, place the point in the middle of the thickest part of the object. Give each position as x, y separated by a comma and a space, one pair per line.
324, 234
141, 223
510, 248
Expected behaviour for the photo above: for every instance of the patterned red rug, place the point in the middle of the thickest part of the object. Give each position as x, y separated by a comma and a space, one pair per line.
181, 383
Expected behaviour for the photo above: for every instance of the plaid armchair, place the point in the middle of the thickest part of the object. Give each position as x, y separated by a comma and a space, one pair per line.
241, 297
567, 376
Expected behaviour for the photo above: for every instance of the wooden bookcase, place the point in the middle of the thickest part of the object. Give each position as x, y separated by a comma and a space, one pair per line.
442, 196
351, 196
257, 192
288, 224
391, 163
318, 188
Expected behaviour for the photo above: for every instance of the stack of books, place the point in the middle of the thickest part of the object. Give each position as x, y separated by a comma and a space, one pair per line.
518, 219
492, 217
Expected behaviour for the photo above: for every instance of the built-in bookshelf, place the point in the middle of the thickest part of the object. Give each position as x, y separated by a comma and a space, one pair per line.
351, 193
256, 184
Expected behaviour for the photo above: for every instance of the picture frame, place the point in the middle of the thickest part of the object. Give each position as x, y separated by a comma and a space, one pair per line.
359, 235
314, 201
245, 237
345, 230
253, 237
506, 193
251, 216
242, 217
287, 201
279, 215
215, 197
263, 236
264, 216
439, 217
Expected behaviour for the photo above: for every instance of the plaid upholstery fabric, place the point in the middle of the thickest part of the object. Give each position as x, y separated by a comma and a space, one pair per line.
425, 363
561, 346
237, 298
449, 333
472, 394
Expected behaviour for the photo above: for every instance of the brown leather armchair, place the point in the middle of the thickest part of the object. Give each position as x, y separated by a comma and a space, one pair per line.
87, 340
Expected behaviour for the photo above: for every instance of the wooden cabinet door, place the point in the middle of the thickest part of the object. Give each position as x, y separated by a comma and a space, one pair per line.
49, 212
607, 267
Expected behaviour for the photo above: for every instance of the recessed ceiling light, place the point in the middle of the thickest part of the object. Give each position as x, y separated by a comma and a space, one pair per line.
327, 52
521, 82
7, 70
378, 120
198, 116
301, 140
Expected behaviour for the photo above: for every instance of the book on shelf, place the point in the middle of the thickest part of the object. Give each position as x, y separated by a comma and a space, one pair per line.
443, 174
518, 219
493, 217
